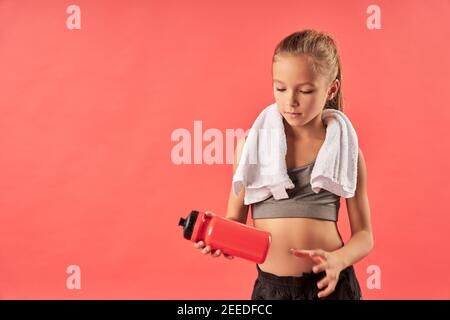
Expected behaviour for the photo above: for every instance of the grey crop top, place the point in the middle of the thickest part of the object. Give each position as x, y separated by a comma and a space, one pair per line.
302, 201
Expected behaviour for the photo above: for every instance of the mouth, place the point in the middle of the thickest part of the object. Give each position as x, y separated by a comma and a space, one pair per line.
293, 114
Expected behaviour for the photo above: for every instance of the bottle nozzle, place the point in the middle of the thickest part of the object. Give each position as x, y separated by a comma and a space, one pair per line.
188, 224
182, 222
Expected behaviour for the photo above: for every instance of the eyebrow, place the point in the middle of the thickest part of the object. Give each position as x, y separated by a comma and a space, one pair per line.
300, 84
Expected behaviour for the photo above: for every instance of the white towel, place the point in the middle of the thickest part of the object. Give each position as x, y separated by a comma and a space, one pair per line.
262, 169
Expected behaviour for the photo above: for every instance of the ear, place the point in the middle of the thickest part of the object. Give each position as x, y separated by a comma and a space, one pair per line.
334, 89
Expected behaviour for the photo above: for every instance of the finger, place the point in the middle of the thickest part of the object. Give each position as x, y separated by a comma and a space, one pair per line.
319, 252
216, 253
206, 250
323, 282
319, 268
324, 293
306, 254
209, 213
228, 256
199, 244
318, 260
300, 253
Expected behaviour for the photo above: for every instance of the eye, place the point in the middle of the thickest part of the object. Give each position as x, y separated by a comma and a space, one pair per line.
305, 92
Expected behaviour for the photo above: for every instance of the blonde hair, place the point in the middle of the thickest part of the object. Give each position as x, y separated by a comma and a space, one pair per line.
322, 51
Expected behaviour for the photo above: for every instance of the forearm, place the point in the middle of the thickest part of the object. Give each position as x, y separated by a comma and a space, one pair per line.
359, 246
238, 214
237, 219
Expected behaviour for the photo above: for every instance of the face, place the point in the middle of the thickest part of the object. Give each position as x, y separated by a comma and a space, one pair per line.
299, 92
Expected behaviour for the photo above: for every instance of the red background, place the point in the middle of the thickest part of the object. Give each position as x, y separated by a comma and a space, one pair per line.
86, 174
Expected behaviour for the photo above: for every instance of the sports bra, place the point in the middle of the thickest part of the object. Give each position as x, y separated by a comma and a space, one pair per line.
302, 201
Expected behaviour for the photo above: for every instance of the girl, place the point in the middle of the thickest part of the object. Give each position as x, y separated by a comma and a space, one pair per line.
307, 258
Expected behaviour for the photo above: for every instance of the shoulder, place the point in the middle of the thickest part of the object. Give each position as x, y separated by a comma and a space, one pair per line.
361, 172
361, 161
240, 145
237, 154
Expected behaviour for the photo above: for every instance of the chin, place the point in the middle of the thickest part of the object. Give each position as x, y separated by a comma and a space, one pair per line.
293, 122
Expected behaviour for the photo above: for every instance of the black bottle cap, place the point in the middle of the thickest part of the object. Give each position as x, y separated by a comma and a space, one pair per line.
188, 224
182, 222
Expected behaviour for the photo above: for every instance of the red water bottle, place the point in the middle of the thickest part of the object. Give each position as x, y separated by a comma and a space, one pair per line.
231, 237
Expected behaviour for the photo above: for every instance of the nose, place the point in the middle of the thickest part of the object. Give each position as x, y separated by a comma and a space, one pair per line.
292, 101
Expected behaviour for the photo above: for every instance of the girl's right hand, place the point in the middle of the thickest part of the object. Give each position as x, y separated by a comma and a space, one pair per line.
207, 249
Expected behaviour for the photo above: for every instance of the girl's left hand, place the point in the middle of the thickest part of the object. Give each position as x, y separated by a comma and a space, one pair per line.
329, 262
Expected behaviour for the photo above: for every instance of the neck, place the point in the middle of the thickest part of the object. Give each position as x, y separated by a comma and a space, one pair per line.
315, 129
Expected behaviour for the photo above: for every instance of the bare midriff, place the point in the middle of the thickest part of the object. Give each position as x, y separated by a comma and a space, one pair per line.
297, 233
